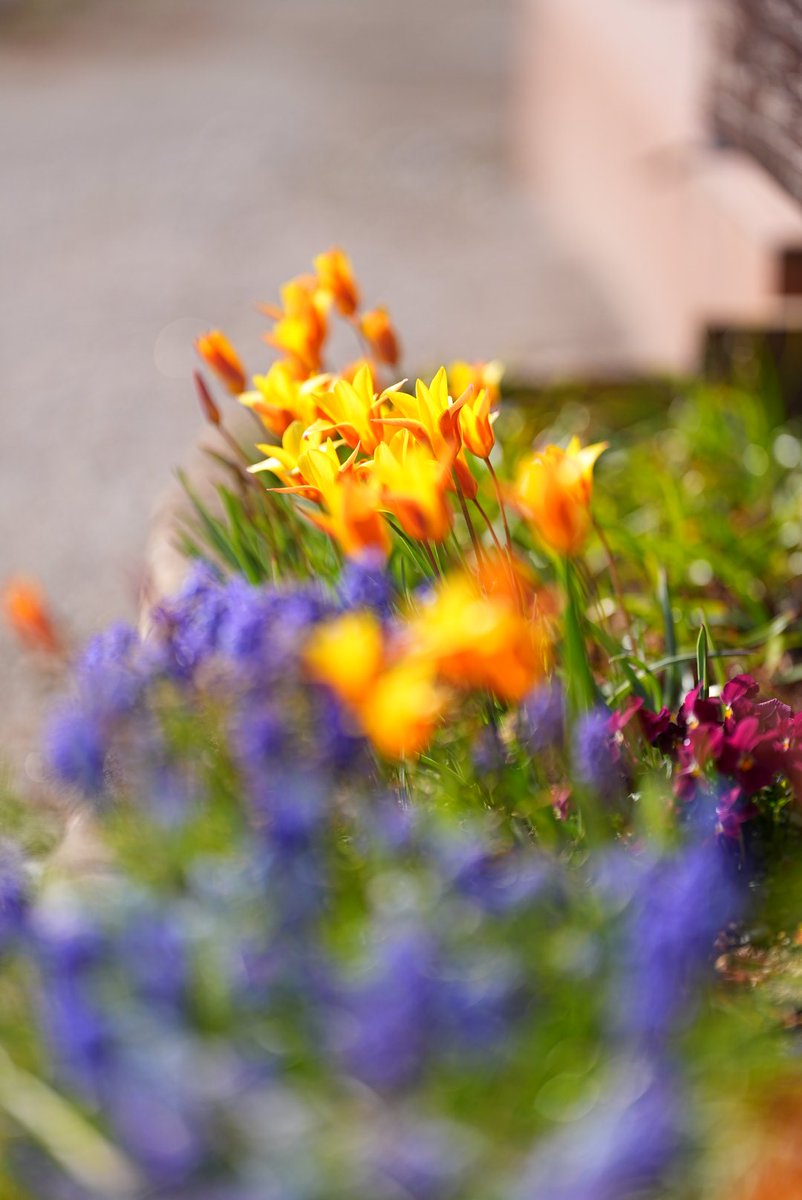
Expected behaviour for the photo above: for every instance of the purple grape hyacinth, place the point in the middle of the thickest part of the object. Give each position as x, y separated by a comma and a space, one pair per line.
76, 747
596, 758
541, 719
366, 583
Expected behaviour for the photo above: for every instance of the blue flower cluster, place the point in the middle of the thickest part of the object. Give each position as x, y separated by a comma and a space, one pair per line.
220, 636
301, 982
359, 993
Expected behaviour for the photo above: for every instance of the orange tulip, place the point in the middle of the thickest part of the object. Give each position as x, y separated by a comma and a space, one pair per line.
515, 581
27, 614
483, 639
553, 490
336, 278
217, 352
380, 335
395, 704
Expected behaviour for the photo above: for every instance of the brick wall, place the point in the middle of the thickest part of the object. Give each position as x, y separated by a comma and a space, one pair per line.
757, 90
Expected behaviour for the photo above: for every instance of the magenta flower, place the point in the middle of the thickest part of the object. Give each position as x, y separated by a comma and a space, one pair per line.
730, 748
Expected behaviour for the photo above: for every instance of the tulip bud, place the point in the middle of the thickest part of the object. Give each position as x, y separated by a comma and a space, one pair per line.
336, 278
378, 331
217, 352
26, 613
208, 406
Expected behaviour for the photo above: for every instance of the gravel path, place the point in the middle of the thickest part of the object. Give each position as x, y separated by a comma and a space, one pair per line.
164, 165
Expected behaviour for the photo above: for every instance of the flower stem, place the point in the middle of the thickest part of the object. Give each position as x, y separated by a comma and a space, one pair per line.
430, 555
580, 685
500, 499
489, 525
477, 549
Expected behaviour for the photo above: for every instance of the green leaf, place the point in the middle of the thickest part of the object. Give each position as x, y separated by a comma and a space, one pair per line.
65, 1133
672, 683
248, 562
701, 661
213, 529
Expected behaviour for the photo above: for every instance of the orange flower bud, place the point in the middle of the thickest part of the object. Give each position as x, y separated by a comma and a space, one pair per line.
336, 277
26, 612
208, 407
378, 332
217, 352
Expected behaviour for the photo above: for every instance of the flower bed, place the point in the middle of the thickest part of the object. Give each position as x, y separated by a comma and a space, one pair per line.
451, 813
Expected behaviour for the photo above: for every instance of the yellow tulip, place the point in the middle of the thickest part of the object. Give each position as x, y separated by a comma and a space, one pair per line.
433, 419
401, 711
396, 706
353, 410
476, 424
352, 517
281, 397
295, 462
484, 376
347, 654
301, 325
413, 487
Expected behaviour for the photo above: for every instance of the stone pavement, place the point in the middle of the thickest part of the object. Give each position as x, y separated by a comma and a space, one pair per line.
166, 163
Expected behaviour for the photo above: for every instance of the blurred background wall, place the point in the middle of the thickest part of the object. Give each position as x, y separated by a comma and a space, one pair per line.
662, 138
